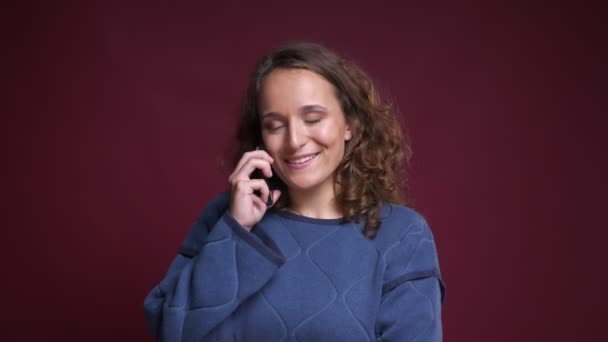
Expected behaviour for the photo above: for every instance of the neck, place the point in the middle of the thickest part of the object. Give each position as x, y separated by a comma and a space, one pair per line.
314, 203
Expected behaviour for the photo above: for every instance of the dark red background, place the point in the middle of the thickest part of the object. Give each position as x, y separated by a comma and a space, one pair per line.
118, 114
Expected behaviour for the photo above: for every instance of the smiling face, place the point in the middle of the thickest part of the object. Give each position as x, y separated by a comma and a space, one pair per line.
303, 128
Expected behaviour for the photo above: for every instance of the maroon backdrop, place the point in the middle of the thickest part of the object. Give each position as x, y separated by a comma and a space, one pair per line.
122, 111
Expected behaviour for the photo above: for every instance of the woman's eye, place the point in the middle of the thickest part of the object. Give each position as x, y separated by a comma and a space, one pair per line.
273, 127
310, 122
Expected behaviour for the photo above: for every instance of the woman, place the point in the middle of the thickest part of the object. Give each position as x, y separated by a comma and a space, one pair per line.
316, 247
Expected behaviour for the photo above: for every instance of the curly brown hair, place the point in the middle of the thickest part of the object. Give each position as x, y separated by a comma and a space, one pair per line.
373, 169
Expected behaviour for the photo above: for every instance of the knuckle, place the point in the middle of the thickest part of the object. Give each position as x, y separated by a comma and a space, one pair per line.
237, 183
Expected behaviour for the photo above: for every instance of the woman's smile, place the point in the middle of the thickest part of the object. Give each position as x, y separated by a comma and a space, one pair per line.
302, 161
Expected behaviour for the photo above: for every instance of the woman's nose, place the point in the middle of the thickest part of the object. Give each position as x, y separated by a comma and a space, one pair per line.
297, 136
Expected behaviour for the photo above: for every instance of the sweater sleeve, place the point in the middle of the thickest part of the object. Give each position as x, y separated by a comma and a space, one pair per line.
413, 291
219, 265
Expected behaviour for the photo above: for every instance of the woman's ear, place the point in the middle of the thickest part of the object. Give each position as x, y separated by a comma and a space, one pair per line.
348, 132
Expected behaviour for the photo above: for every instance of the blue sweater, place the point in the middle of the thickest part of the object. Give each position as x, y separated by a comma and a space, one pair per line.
294, 278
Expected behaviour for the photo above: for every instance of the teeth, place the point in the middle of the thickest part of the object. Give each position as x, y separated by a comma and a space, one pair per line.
301, 160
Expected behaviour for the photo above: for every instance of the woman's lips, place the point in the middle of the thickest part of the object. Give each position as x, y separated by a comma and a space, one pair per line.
301, 162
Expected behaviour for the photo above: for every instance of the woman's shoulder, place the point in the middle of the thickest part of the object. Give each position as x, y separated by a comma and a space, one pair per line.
406, 244
217, 205
399, 222
205, 220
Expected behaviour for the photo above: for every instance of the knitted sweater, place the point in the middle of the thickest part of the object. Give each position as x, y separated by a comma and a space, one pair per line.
295, 278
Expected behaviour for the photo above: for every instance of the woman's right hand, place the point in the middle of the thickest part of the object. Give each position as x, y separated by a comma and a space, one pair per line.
245, 206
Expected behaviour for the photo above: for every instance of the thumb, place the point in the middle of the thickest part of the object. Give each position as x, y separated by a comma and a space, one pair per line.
275, 196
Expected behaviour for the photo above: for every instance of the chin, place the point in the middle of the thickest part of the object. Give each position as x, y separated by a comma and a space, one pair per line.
301, 185
304, 184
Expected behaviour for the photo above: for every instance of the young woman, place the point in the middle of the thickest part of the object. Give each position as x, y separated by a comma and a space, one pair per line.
312, 242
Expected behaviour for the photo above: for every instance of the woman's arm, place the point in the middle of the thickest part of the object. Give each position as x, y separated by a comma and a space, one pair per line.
410, 309
219, 265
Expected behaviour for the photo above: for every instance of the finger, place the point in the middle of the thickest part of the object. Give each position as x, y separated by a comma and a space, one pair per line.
275, 197
262, 186
251, 165
259, 154
247, 187
259, 204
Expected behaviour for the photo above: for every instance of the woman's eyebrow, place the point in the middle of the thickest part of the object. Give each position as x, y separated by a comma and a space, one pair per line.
271, 114
312, 108
304, 109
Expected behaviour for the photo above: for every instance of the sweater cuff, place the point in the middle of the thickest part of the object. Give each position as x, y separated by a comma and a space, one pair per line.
270, 250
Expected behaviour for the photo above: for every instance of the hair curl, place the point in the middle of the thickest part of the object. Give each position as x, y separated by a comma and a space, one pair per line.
373, 169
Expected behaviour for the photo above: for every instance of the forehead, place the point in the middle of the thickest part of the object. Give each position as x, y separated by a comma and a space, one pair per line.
295, 87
